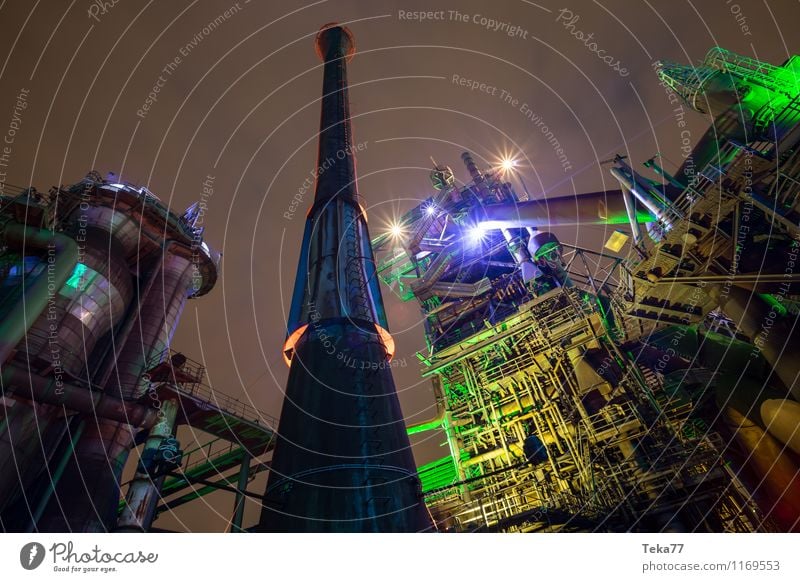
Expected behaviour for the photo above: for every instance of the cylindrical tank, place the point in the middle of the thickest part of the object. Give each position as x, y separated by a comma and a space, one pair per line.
97, 294
159, 313
105, 446
60, 342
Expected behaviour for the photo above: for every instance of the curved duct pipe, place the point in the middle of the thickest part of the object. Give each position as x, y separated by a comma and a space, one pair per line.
436, 269
91, 402
778, 342
778, 491
33, 301
782, 419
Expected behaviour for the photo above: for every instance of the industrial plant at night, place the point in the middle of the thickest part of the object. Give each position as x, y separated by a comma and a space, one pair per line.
645, 382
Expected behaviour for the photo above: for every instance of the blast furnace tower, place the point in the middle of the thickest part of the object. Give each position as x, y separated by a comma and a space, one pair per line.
343, 460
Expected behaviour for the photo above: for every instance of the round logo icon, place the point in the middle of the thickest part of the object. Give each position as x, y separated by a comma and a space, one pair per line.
31, 555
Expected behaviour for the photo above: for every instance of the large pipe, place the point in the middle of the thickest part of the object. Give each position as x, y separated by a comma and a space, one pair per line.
436, 421
62, 256
155, 325
778, 491
642, 196
78, 313
630, 209
586, 209
144, 491
778, 341
782, 419
518, 249
21, 383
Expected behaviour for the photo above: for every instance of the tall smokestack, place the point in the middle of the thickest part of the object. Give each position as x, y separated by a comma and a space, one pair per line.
343, 460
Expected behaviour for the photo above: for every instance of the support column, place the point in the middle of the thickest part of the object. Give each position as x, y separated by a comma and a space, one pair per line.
238, 506
145, 489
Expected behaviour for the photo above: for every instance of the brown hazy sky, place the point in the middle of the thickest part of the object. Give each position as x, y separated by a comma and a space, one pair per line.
242, 105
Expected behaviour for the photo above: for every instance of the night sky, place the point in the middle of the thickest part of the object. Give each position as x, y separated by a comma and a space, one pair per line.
238, 96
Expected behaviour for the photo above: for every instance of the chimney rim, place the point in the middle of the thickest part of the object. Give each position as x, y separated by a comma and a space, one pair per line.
346, 31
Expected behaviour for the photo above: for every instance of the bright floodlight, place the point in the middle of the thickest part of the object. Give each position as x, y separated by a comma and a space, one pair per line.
476, 233
507, 164
396, 230
430, 210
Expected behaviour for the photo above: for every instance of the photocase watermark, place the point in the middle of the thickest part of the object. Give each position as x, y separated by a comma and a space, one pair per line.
173, 65
537, 120
738, 15
65, 558
197, 239
690, 310
485, 22
523, 107
52, 317
568, 19
100, 8
679, 112
10, 136
745, 214
777, 307
83, 222
31, 555
77, 280
324, 166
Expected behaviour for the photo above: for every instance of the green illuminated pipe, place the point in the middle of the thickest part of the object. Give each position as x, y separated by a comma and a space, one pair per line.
583, 210
435, 422
630, 209
62, 256
645, 197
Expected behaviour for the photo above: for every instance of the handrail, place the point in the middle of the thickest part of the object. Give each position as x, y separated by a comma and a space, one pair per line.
190, 381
